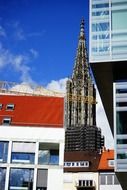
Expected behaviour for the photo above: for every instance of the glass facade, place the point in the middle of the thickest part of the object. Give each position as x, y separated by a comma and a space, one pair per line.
120, 125
108, 30
3, 151
21, 179
49, 155
22, 160
2, 178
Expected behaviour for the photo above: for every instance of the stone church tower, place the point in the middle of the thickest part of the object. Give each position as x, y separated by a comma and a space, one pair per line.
82, 134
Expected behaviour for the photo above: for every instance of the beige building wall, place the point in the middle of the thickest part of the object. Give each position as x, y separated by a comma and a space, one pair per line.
71, 179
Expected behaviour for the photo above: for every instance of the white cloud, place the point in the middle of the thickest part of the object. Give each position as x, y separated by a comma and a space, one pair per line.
102, 122
59, 85
18, 62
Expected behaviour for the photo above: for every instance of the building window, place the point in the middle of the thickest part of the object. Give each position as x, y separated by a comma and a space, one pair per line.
21, 179
10, 107
48, 153
3, 151
104, 5
42, 179
111, 163
2, 178
23, 152
103, 179
121, 122
121, 141
122, 156
104, 26
26, 158
110, 179
6, 121
1, 105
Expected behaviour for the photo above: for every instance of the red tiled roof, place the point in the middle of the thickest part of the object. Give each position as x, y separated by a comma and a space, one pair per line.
106, 156
33, 110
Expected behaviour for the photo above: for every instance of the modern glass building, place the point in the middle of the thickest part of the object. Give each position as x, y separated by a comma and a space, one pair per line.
108, 30
108, 60
120, 123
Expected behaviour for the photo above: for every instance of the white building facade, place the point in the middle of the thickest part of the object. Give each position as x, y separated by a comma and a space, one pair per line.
31, 158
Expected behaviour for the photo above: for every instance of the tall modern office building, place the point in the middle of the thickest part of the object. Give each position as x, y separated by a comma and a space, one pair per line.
108, 59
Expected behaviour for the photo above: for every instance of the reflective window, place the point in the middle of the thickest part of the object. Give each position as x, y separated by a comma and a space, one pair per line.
21, 179
100, 13
104, 5
48, 153
42, 179
1, 105
122, 156
118, 19
121, 122
102, 36
2, 178
121, 141
121, 104
3, 151
27, 158
23, 152
104, 26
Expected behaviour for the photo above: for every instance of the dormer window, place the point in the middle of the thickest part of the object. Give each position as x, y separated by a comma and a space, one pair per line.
6, 121
10, 107
111, 163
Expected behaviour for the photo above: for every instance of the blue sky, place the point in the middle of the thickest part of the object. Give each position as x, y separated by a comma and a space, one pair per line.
38, 39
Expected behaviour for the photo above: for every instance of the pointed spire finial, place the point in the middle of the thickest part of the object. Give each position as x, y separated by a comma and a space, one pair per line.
82, 29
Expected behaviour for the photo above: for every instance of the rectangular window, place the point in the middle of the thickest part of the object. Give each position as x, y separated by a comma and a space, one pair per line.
118, 19
2, 178
121, 104
122, 156
48, 153
111, 163
10, 107
26, 158
6, 121
23, 152
1, 105
121, 122
3, 151
102, 179
104, 26
121, 141
104, 5
100, 13
42, 179
21, 179
109, 179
